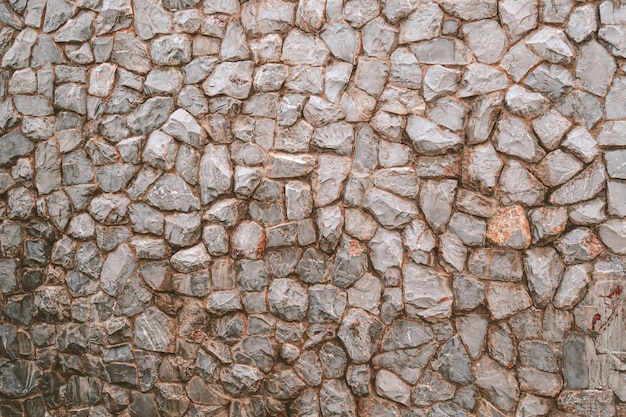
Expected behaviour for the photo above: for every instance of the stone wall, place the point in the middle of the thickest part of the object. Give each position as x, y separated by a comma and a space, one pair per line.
312, 208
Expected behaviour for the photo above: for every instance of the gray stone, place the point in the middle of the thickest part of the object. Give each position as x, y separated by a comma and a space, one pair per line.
341, 39
595, 67
326, 304
154, 331
389, 210
481, 79
360, 333
287, 299
613, 235
248, 240
472, 10
170, 192
506, 299
582, 187
429, 139
233, 79
131, 53
552, 80
150, 115
518, 18
500, 384
442, 51
544, 269
584, 108
551, 44
514, 138
587, 402
336, 400
487, 39
390, 386
427, 294
582, 22
453, 362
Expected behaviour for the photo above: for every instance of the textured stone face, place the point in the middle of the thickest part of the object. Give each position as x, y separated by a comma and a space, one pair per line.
312, 208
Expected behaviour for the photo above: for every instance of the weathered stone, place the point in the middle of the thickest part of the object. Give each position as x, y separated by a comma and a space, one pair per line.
553, 81
500, 384
170, 192
582, 187
389, 210
429, 139
233, 79
117, 270
390, 386
360, 333
481, 79
613, 235
154, 331
427, 294
504, 299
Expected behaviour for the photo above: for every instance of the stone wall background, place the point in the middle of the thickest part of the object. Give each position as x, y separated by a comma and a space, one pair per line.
312, 208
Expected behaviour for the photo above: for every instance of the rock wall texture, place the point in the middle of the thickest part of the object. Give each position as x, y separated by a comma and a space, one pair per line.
312, 208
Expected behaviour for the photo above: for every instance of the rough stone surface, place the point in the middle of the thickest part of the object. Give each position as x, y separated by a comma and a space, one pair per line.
313, 208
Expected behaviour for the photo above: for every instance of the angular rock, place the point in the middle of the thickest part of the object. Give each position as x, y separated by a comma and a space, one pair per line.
154, 331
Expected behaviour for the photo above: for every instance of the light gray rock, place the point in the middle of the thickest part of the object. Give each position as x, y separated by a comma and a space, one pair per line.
584, 108
440, 81
170, 192
555, 11
362, 343
550, 128
443, 51
268, 16
436, 199
499, 383
288, 299
551, 44
553, 81
154, 331
428, 138
516, 296
117, 270
233, 79
518, 17
389, 210
544, 269
595, 67
471, 10
300, 48
613, 235
582, 23
234, 47
582, 187
131, 53
514, 138
481, 79
487, 39
366, 294
390, 386
557, 167
341, 39
427, 294
572, 286
290, 166
422, 24
248, 240
525, 103
587, 402
482, 166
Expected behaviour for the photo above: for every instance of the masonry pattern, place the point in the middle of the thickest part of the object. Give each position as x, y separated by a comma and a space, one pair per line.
312, 208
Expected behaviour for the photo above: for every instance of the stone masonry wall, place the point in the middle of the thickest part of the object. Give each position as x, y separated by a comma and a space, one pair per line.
312, 208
